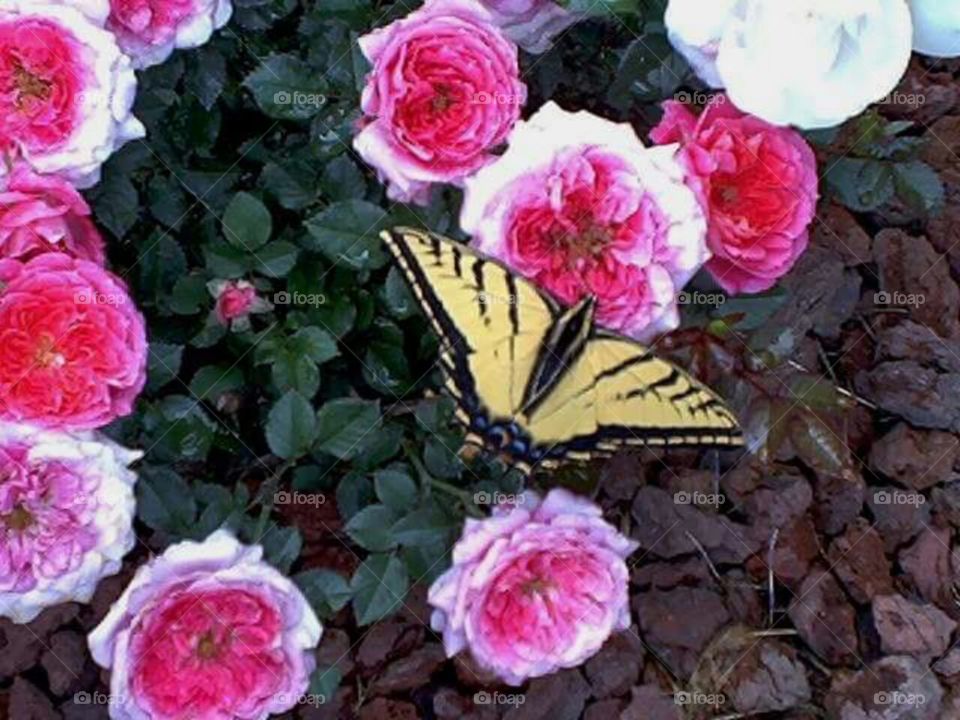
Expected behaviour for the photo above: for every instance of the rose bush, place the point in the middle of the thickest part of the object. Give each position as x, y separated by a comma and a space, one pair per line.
757, 183
207, 629
66, 503
66, 89
578, 205
444, 91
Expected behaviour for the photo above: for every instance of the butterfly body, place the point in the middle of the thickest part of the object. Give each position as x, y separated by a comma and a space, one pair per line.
540, 384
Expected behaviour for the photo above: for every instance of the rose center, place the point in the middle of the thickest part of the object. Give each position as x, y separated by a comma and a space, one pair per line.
728, 194
19, 520
442, 100
207, 647
30, 86
587, 243
535, 586
47, 356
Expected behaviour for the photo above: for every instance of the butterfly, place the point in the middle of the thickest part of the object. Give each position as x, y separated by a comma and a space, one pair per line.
540, 384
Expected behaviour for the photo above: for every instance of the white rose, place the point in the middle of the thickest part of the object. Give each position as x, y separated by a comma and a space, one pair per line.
936, 27
809, 63
66, 117
67, 507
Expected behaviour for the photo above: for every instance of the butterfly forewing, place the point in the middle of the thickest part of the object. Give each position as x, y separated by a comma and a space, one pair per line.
491, 324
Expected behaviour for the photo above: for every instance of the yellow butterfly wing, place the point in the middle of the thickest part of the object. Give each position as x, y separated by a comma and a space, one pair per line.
492, 325
618, 393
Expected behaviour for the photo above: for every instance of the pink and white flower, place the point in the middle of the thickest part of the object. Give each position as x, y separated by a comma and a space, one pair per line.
757, 182
66, 516
207, 630
150, 30
73, 346
45, 213
537, 587
236, 301
579, 206
809, 63
66, 89
936, 27
531, 24
444, 91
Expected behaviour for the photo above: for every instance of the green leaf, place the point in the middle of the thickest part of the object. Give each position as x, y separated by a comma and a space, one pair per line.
343, 180
379, 587
399, 299
323, 684
247, 223
117, 203
276, 259
164, 500
291, 426
291, 182
348, 233
342, 424
316, 343
327, 591
294, 371
189, 295
164, 364
395, 489
861, 185
212, 381
424, 527
370, 528
207, 75
286, 88
281, 547
919, 185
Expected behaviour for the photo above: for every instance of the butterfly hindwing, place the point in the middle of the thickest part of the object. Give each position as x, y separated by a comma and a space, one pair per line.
618, 393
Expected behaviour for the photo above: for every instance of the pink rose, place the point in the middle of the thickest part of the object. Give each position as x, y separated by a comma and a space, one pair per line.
149, 30
44, 213
208, 631
579, 206
66, 90
531, 24
236, 300
537, 587
444, 91
73, 348
66, 506
758, 183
